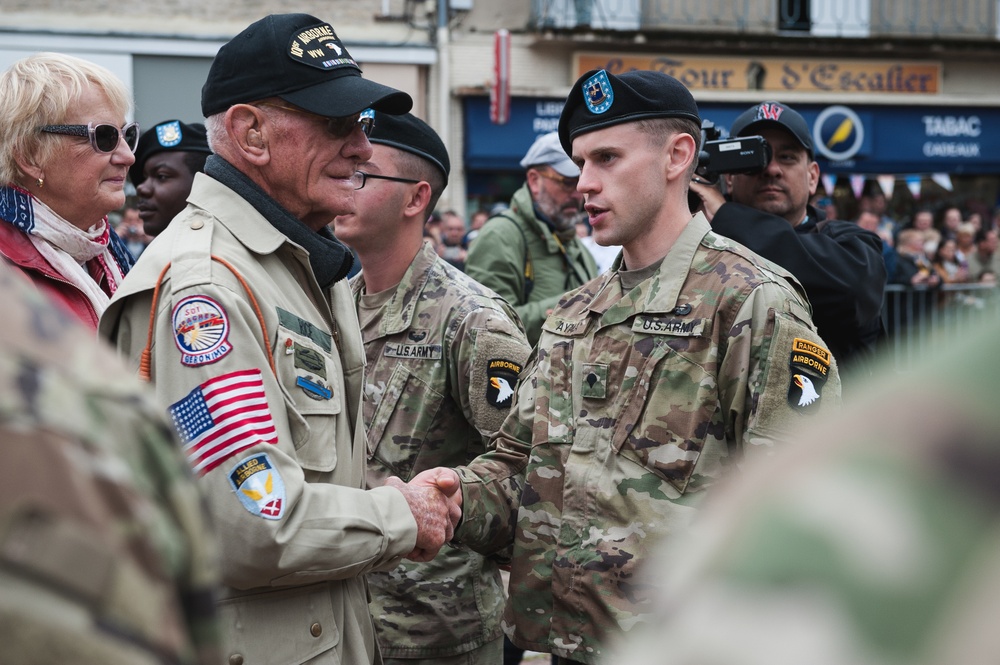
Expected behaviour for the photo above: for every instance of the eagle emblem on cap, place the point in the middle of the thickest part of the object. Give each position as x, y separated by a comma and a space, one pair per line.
597, 93
169, 134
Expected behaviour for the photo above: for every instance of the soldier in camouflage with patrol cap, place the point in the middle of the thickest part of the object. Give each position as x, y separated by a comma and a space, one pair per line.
444, 354
649, 383
874, 542
106, 557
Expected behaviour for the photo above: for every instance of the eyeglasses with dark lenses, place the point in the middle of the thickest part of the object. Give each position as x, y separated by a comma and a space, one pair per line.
339, 127
103, 138
360, 178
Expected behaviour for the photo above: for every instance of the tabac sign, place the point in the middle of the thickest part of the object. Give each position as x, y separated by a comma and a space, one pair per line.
776, 74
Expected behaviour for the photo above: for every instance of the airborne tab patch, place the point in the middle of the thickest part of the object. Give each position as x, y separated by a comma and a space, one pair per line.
501, 377
810, 366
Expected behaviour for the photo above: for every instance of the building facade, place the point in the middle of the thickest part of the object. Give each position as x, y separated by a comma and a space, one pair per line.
900, 88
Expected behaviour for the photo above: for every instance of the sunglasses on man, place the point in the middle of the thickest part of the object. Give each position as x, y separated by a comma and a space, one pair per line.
103, 138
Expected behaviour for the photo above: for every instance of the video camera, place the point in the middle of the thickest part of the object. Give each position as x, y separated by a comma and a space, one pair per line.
743, 154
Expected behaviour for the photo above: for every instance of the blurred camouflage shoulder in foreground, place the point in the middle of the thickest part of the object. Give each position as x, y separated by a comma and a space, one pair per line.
875, 543
105, 556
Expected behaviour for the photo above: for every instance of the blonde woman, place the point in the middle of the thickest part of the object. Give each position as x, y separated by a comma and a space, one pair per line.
65, 149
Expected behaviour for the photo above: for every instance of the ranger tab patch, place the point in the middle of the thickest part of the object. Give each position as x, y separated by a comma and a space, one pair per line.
259, 486
810, 366
201, 330
501, 378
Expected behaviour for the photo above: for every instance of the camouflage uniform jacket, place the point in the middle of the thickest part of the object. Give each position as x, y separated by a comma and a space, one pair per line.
279, 451
498, 257
106, 556
874, 541
634, 404
443, 358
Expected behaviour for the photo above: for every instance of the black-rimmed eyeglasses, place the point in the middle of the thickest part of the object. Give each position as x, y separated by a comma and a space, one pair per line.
103, 138
360, 178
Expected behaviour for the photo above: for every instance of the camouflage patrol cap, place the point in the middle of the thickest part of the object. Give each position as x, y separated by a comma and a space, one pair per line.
410, 133
600, 99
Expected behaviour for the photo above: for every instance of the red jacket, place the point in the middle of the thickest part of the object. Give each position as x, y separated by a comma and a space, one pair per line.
16, 247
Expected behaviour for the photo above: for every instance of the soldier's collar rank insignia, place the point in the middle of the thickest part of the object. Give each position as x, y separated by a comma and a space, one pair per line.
201, 330
810, 367
169, 134
318, 46
501, 377
598, 93
259, 487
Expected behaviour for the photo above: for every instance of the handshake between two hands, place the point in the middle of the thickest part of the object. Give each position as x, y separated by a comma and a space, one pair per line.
435, 499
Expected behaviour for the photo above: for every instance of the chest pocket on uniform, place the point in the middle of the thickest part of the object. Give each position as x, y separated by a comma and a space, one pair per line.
404, 415
666, 404
310, 375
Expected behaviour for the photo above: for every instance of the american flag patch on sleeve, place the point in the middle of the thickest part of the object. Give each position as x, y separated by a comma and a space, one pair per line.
222, 417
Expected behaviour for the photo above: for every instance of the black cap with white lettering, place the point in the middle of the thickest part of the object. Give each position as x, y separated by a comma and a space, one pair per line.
300, 59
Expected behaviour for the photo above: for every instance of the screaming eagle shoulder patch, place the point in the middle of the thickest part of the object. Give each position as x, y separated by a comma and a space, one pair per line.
501, 378
810, 366
201, 330
259, 486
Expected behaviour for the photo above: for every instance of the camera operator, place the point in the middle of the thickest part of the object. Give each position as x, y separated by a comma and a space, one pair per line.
839, 264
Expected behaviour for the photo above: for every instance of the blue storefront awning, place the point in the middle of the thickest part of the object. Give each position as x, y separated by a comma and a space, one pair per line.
849, 138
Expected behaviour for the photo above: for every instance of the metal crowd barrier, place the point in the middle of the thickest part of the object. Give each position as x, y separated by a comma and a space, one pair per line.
918, 319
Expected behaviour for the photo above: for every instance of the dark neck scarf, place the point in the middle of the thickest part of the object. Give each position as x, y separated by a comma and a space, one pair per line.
330, 260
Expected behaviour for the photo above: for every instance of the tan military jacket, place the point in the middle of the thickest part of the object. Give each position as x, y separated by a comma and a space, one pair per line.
635, 404
279, 452
444, 354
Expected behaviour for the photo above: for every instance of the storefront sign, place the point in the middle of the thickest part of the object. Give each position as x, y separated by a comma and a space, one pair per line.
849, 138
776, 74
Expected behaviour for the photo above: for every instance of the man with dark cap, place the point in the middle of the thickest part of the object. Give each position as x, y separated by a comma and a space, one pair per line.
530, 253
647, 386
166, 159
839, 264
241, 316
444, 354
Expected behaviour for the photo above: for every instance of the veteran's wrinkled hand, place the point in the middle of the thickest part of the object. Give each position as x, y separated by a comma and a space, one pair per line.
435, 499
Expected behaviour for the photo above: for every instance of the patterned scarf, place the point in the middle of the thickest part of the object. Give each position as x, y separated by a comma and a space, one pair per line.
86, 259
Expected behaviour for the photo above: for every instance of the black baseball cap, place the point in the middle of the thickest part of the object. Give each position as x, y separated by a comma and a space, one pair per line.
773, 113
601, 99
410, 133
300, 59
167, 136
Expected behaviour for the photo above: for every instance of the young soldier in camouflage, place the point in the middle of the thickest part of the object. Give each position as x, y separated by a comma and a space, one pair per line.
105, 554
443, 357
874, 541
648, 384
